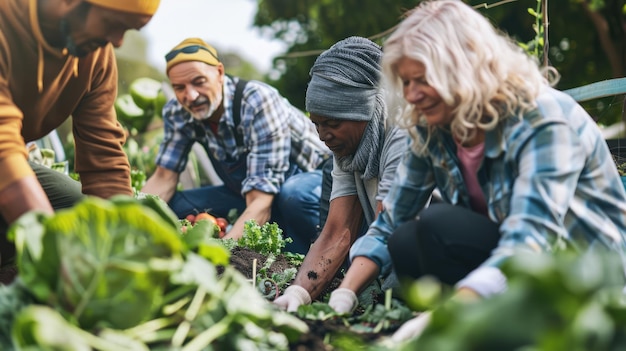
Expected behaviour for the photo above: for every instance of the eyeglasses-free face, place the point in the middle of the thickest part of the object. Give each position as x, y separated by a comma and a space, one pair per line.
191, 49
341, 136
198, 87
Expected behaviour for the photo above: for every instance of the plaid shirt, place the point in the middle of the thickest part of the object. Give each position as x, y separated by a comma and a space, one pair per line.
548, 179
274, 132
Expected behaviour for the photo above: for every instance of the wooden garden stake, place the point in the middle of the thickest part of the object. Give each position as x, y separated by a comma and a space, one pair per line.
254, 273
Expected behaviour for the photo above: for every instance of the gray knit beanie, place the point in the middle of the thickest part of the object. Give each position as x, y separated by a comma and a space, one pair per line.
344, 80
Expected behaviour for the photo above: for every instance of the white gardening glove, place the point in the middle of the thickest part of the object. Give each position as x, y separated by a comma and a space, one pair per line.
343, 300
411, 328
292, 298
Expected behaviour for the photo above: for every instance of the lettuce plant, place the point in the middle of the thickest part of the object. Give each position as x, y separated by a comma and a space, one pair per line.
266, 239
102, 262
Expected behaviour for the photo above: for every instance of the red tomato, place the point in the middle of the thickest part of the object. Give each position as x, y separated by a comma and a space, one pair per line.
191, 218
205, 216
222, 223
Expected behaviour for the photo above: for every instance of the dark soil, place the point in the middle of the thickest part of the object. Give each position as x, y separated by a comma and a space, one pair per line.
8, 274
242, 259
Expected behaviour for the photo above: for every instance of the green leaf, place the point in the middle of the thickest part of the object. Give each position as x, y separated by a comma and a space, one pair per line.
103, 263
266, 239
131, 115
13, 298
215, 252
316, 311
202, 232
32, 245
40, 328
197, 271
144, 92
160, 102
154, 203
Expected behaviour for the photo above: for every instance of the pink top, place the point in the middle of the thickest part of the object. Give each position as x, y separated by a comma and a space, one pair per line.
471, 158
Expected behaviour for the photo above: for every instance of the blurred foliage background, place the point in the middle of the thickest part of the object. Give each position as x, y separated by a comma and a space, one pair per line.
586, 37
585, 41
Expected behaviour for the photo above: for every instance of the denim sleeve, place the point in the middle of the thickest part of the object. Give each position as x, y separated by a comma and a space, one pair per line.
408, 195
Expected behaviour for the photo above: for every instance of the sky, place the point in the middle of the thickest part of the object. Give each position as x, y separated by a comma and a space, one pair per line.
226, 24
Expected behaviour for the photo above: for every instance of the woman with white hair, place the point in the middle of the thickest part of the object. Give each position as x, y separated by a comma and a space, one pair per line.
520, 166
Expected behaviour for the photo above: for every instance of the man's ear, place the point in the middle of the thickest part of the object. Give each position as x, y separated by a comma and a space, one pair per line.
220, 69
221, 72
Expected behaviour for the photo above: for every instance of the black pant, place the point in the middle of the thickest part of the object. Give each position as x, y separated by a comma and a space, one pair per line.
446, 242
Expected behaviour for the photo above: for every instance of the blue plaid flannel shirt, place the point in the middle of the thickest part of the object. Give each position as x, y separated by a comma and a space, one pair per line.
275, 133
549, 179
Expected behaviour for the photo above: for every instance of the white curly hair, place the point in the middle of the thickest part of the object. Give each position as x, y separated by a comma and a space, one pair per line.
477, 70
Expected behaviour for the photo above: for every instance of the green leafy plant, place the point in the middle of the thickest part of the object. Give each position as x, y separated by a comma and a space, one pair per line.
104, 262
137, 179
317, 311
270, 286
266, 239
202, 237
144, 101
536, 47
378, 317
116, 274
46, 157
141, 154
13, 299
558, 302
295, 259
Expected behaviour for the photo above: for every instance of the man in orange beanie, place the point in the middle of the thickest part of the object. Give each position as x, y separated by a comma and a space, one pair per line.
57, 60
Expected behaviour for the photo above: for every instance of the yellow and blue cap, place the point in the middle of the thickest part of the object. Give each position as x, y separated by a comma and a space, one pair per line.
191, 49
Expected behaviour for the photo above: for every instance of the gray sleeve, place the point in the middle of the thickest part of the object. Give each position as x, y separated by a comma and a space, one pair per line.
396, 144
343, 182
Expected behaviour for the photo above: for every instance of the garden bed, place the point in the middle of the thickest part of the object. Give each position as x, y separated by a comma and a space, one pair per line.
321, 332
242, 259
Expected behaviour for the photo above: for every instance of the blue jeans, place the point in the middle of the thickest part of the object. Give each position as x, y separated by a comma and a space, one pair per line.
296, 209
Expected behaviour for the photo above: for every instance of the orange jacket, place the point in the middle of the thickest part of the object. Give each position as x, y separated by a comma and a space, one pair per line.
41, 87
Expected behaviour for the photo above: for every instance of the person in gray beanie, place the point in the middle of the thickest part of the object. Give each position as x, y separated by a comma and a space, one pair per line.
347, 107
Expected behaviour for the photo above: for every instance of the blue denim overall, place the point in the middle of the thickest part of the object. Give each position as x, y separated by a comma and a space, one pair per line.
295, 209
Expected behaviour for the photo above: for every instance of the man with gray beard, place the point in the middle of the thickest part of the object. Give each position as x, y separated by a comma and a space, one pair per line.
264, 149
